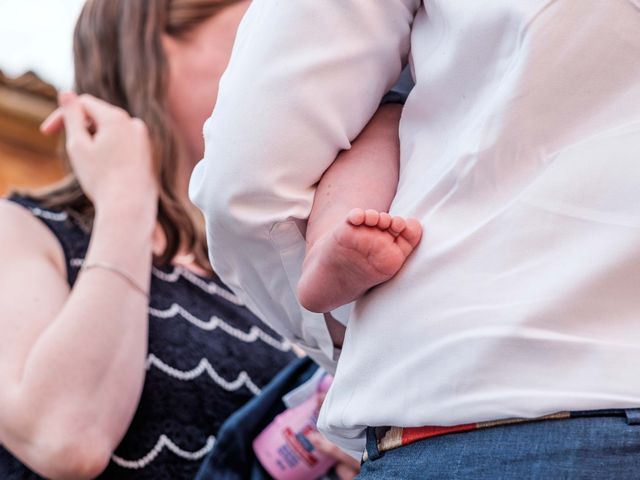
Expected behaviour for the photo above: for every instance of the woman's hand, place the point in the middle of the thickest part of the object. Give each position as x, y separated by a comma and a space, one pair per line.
346, 467
110, 152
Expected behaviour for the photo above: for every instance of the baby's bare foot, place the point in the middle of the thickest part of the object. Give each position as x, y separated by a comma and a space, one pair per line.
367, 249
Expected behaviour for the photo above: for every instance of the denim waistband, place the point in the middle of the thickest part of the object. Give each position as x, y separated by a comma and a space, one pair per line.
382, 439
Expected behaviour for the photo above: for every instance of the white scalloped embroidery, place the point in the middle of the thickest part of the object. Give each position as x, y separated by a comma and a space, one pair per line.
163, 442
204, 366
209, 287
46, 214
214, 322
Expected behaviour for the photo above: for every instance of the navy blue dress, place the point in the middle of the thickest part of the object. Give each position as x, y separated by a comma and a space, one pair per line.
208, 356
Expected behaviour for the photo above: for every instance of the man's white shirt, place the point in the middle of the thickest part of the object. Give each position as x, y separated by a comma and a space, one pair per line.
520, 154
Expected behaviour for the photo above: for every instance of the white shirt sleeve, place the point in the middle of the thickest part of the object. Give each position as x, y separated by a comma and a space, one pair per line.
304, 78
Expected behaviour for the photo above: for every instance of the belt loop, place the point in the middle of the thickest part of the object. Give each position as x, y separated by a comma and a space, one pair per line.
633, 416
372, 444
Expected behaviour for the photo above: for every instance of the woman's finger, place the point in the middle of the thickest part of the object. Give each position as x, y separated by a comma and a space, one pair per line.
325, 446
94, 107
53, 123
74, 118
345, 472
100, 111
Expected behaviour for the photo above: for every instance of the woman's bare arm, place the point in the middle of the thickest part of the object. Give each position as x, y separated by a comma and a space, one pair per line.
72, 362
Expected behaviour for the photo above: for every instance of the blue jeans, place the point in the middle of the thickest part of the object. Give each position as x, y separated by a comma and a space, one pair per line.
595, 445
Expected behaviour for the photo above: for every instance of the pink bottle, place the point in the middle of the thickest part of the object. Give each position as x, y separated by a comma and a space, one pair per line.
283, 448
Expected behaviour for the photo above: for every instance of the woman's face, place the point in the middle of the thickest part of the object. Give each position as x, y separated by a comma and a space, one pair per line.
196, 64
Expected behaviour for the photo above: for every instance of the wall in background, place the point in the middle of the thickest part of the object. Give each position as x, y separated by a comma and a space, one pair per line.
36, 36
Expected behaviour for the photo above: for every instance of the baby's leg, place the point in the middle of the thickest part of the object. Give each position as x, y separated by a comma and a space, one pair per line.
352, 243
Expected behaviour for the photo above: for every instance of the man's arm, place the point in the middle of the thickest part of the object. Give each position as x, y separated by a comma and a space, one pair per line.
305, 77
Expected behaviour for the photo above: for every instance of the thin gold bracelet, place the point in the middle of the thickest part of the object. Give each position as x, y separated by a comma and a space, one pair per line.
124, 275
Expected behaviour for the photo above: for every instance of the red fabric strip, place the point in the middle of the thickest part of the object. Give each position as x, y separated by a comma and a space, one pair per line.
413, 434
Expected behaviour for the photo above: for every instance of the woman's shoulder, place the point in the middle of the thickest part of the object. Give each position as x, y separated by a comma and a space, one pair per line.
31, 230
23, 233
22, 227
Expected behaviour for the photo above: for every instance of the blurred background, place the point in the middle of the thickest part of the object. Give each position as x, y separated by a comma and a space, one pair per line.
35, 63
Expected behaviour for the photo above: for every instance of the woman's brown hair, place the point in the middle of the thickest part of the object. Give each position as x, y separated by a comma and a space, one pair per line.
119, 58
